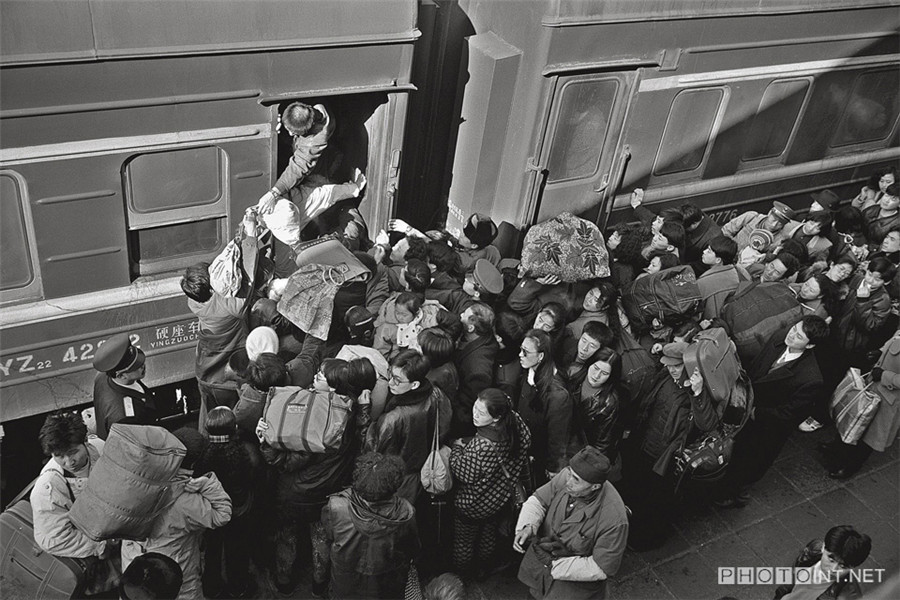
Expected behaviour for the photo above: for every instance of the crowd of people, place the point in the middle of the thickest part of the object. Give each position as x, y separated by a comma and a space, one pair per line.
562, 415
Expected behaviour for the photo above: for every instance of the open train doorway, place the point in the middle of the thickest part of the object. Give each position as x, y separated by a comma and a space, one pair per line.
365, 138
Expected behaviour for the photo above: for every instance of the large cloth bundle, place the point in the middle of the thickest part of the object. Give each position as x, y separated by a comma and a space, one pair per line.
713, 352
669, 297
853, 406
129, 486
755, 312
566, 246
305, 420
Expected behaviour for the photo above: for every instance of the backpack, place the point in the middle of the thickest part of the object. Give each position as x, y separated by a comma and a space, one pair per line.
716, 356
304, 420
670, 296
639, 370
755, 312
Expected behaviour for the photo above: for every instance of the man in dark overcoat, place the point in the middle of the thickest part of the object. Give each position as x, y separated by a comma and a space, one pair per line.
786, 383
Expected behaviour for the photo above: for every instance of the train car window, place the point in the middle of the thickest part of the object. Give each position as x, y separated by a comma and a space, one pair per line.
582, 122
775, 119
177, 209
872, 110
688, 130
177, 241
16, 268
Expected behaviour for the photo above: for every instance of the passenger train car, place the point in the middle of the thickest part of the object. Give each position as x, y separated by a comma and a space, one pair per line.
570, 105
134, 134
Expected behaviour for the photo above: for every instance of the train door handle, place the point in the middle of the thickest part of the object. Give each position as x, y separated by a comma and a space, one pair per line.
604, 183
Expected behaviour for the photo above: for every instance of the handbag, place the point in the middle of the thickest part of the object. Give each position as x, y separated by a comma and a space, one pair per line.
519, 494
706, 459
853, 406
225, 270
435, 473
329, 252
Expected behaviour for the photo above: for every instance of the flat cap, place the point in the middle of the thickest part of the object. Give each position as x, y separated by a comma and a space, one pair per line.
673, 353
487, 276
590, 464
118, 354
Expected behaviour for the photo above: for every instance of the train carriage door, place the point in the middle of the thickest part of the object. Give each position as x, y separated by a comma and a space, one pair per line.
580, 164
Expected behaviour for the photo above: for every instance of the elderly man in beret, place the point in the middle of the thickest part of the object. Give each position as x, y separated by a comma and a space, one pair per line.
118, 389
740, 227
575, 528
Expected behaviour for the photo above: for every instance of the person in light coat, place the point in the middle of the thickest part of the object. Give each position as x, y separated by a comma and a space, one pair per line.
73, 454
200, 503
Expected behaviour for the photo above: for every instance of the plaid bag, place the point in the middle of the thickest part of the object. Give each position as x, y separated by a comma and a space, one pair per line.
853, 406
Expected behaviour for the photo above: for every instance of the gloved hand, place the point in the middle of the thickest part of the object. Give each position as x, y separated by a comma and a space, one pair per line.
877, 372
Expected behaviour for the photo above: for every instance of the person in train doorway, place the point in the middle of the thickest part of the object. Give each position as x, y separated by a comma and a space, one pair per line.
311, 128
575, 529
118, 389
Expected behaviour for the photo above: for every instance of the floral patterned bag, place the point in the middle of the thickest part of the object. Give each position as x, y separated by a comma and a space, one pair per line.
566, 246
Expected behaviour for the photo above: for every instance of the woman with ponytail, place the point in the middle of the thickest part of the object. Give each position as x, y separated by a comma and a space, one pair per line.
545, 405
485, 469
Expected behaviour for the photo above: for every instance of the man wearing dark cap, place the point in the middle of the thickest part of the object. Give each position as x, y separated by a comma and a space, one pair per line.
484, 282
575, 528
826, 200
118, 390
475, 242
740, 227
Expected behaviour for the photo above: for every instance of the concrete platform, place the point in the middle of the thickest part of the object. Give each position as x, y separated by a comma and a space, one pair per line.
794, 503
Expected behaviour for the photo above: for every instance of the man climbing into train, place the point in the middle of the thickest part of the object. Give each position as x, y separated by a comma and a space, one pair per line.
311, 128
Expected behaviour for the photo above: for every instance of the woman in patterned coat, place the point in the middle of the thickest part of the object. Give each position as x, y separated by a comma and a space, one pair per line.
485, 469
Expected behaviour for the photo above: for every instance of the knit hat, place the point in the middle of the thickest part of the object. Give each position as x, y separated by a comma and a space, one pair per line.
826, 199
487, 276
194, 442
761, 239
261, 339
673, 354
590, 464
480, 230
